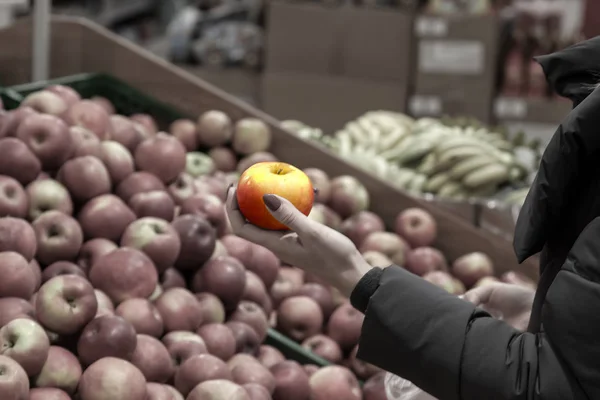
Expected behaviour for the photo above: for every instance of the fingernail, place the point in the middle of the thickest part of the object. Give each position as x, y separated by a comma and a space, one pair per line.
272, 202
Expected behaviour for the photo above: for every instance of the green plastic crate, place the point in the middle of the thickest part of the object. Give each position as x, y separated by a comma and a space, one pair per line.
127, 101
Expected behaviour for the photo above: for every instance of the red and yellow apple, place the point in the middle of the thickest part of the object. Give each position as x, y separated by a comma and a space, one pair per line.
277, 178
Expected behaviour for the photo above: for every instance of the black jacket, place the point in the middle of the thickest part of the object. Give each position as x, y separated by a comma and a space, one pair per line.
455, 351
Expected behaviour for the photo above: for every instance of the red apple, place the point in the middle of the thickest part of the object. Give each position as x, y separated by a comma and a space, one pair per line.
345, 325
360, 225
253, 315
183, 345
85, 178
156, 203
61, 268
224, 277
425, 259
257, 391
147, 121
172, 278
124, 274
124, 131
59, 237
325, 347
106, 336
288, 283
46, 195
197, 241
105, 304
310, 369
218, 389
12, 120
13, 307
334, 382
153, 359
214, 128
247, 340
255, 258
143, 315
374, 387
362, 369
251, 135
162, 156
48, 394
330, 217
46, 102
277, 178
85, 142
104, 103
386, 243
219, 340
26, 342
90, 115
37, 272
321, 183
65, 304
61, 371
138, 182
105, 216
112, 378
223, 158
117, 159
185, 130
66, 93
198, 369
255, 289
291, 382
18, 279
417, 227
299, 317
208, 206
377, 259
179, 310
13, 199
321, 295
253, 372
159, 391
18, 161
14, 384
48, 138
441, 279
269, 356
348, 196
156, 238
213, 310
472, 267
92, 250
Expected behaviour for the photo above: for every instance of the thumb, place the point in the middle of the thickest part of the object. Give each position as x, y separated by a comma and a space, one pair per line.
480, 295
286, 213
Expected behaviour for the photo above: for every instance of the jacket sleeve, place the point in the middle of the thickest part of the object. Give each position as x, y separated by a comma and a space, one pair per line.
453, 350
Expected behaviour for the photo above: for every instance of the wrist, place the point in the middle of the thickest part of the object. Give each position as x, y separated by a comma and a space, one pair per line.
349, 278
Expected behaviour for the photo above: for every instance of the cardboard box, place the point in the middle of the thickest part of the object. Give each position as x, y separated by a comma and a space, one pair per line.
327, 102
455, 62
538, 118
377, 44
240, 82
303, 37
342, 41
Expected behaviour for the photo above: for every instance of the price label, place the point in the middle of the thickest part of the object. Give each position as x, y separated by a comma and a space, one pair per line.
458, 57
425, 105
510, 108
431, 27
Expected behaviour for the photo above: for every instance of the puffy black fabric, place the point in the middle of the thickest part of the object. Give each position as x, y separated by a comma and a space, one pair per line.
455, 351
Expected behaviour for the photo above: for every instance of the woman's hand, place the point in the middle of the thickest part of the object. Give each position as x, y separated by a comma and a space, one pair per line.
511, 303
309, 245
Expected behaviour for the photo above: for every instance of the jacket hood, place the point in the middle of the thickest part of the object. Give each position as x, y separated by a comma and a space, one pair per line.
565, 195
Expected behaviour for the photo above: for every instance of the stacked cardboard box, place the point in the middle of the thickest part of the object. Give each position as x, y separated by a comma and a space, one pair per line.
328, 65
455, 67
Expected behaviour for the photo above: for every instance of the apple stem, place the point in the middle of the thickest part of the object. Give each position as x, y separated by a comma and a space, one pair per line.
280, 171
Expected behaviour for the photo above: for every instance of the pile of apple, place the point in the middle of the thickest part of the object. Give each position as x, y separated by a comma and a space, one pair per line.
121, 279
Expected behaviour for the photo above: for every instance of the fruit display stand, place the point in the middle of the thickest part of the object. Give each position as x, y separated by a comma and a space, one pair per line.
87, 47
